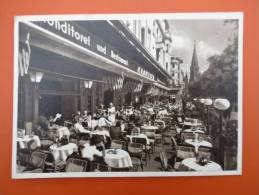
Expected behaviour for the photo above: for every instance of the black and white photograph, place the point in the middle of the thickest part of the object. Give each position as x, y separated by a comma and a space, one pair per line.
127, 95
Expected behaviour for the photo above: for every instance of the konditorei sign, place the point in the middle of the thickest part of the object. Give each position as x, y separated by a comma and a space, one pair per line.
74, 33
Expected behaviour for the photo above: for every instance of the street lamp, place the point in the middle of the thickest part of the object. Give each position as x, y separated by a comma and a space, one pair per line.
35, 78
221, 105
207, 102
88, 84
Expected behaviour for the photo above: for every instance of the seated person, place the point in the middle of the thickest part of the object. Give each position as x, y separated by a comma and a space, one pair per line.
78, 126
135, 130
103, 121
115, 131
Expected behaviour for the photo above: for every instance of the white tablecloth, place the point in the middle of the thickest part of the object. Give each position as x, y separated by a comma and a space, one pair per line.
147, 127
197, 143
119, 160
193, 165
194, 131
24, 140
62, 152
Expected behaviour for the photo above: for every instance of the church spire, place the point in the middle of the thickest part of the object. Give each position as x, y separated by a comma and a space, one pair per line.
194, 69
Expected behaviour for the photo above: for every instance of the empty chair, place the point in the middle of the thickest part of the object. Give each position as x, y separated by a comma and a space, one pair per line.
25, 153
118, 144
37, 162
187, 135
76, 165
136, 153
147, 148
183, 152
51, 165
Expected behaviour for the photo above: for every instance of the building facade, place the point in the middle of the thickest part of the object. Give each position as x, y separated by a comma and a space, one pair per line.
66, 66
155, 36
176, 72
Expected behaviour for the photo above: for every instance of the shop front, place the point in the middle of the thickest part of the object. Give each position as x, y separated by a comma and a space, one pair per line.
64, 69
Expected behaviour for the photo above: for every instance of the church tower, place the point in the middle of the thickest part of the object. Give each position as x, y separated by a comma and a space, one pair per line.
194, 69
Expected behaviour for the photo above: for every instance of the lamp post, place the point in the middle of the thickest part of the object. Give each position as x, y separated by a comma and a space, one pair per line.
35, 78
207, 102
221, 105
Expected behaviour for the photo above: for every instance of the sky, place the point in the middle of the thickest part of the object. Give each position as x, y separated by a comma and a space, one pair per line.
211, 37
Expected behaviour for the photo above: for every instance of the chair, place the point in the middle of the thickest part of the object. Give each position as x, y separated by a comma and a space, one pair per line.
73, 139
118, 144
37, 162
147, 148
187, 135
76, 165
183, 152
205, 152
125, 169
136, 153
99, 167
25, 153
51, 165
115, 133
83, 138
45, 144
205, 137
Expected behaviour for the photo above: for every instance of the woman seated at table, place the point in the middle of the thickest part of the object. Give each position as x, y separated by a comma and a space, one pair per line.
103, 133
78, 126
135, 130
103, 121
115, 131
94, 150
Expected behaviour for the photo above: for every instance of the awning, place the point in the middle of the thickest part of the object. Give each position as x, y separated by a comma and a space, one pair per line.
46, 40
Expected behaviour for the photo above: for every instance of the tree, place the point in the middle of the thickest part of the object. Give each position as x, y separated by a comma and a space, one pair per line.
221, 78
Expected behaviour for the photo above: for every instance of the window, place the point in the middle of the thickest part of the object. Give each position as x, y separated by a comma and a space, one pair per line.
143, 36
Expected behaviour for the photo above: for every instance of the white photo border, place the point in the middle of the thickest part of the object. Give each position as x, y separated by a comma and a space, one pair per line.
170, 16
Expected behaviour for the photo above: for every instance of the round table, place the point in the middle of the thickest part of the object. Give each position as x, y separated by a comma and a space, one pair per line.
192, 165
120, 159
24, 140
197, 143
193, 131
62, 152
148, 127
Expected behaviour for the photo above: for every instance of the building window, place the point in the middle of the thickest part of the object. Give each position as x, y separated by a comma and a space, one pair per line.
135, 27
166, 65
143, 36
157, 54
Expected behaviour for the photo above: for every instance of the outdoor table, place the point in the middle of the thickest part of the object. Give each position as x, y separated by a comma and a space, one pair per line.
149, 127
25, 139
63, 131
103, 133
193, 131
62, 152
141, 135
117, 158
192, 165
198, 143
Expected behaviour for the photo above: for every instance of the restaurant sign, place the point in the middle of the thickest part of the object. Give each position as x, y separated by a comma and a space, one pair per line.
75, 33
